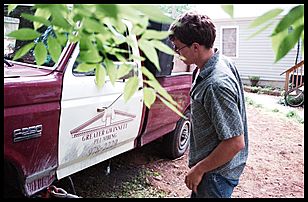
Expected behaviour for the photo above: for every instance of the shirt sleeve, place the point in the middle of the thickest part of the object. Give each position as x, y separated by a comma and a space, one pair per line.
222, 107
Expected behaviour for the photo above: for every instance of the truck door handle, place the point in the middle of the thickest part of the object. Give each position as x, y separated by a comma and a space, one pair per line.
101, 109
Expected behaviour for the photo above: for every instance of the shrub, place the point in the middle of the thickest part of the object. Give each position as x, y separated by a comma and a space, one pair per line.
257, 78
254, 80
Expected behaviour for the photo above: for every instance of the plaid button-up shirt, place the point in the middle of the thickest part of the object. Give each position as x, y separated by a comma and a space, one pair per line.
218, 113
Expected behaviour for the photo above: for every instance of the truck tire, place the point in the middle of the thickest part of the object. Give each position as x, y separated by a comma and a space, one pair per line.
176, 143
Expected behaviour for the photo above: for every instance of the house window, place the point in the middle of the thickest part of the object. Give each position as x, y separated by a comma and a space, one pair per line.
229, 41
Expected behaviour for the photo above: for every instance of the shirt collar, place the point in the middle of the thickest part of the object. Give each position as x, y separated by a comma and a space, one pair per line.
210, 65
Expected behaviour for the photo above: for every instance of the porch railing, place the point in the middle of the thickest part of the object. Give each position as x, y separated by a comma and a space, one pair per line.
294, 77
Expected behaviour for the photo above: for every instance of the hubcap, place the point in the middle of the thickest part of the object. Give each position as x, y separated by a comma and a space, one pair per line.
185, 133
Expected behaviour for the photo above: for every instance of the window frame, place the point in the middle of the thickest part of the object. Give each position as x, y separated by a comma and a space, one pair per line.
237, 39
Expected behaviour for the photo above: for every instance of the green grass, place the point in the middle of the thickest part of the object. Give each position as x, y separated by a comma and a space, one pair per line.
292, 114
266, 90
275, 110
137, 187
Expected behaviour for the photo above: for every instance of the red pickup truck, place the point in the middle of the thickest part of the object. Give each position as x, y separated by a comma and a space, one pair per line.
58, 122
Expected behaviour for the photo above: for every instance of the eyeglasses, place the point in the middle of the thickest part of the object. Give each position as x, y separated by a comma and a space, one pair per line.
178, 49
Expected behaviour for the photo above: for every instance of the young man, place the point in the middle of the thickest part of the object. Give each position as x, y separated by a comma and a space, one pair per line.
219, 140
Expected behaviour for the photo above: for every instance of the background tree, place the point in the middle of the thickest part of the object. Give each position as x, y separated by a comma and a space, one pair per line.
23, 22
174, 10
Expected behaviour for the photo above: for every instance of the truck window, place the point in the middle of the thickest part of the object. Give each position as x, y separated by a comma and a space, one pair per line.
124, 46
165, 60
126, 55
13, 22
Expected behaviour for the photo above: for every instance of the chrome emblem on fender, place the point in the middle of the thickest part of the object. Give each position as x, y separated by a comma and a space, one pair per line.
27, 133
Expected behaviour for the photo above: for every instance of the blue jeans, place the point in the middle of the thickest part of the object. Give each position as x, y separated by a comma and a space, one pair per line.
214, 185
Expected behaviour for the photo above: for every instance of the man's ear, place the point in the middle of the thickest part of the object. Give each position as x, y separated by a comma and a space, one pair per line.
196, 46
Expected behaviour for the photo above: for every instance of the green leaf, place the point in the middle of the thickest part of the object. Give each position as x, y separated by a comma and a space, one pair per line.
162, 47
265, 17
81, 11
60, 8
73, 38
289, 42
59, 20
46, 6
156, 85
32, 18
172, 107
85, 43
100, 75
111, 70
277, 39
113, 50
120, 26
11, 7
136, 57
24, 34
302, 37
43, 13
138, 30
292, 16
130, 39
129, 13
103, 37
139, 20
153, 34
61, 38
110, 10
228, 9
123, 70
92, 25
150, 52
147, 73
90, 56
54, 48
83, 67
154, 13
22, 51
149, 96
260, 30
130, 88
117, 37
120, 57
40, 53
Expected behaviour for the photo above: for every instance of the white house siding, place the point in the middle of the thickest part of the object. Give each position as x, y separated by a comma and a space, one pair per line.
255, 55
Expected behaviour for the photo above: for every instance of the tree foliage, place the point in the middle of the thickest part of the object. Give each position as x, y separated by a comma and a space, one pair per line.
99, 30
174, 10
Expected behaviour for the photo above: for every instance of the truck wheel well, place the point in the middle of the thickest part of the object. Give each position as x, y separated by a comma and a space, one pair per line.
176, 142
12, 186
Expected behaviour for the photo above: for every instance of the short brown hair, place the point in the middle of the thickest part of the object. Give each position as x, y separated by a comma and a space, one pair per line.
193, 27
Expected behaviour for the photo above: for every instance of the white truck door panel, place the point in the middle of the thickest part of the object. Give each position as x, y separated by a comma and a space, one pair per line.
95, 124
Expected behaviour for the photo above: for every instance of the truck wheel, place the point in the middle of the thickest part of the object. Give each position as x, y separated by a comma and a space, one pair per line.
177, 142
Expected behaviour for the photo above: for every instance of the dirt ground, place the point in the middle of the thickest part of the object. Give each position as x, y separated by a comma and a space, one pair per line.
275, 166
